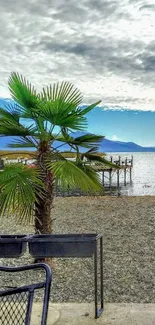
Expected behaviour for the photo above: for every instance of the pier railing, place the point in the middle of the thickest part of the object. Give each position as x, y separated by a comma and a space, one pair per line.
127, 162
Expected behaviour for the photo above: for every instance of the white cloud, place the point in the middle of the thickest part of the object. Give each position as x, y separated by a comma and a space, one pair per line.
105, 47
115, 138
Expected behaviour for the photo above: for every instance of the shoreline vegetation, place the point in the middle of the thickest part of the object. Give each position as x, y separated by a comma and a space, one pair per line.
30, 155
127, 225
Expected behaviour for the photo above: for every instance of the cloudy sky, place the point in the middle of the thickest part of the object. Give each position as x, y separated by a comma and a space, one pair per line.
105, 47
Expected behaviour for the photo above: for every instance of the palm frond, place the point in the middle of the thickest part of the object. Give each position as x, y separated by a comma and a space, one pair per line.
19, 190
9, 122
60, 105
76, 175
89, 108
14, 128
92, 150
85, 141
27, 142
96, 158
88, 140
89, 137
22, 91
61, 93
63, 114
10, 113
92, 174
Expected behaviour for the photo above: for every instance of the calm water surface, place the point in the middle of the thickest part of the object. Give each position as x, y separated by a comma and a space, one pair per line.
143, 174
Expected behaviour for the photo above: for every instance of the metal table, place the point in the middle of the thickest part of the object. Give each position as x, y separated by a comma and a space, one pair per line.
72, 245
60, 245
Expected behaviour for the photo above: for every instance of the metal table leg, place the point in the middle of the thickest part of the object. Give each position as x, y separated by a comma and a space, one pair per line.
98, 311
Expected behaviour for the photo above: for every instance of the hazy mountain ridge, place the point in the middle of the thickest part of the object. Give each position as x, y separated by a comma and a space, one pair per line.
105, 145
118, 146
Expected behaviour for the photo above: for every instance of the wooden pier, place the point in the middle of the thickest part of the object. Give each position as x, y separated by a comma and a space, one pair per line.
120, 174
125, 167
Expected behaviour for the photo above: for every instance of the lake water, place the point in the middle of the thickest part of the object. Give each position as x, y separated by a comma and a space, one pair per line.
143, 174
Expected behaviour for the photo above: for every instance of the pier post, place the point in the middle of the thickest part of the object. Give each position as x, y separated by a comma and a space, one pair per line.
119, 159
110, 177
132, 161
125, 176
130, 174
118, 177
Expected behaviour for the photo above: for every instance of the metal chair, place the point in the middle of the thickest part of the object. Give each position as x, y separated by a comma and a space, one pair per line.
16, 301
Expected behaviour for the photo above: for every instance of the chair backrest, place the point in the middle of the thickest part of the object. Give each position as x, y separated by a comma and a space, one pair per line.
16, 299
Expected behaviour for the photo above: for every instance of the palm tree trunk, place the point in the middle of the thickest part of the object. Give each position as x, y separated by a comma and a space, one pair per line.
43, 206
43, 220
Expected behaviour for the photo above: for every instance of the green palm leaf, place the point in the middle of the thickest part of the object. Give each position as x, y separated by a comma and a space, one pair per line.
76, 176
24, 143
62, 114
25, 96
93, 175
10, 114
60, 93
86, 141
92, 150
89, 108
22, 91
60, 106
20, 188
96, 158
15, 129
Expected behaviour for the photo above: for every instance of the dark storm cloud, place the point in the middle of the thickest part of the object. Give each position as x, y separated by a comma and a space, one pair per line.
111, 55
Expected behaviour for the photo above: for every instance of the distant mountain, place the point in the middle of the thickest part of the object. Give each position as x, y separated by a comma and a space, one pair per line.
118, 146
105, 145
114, 146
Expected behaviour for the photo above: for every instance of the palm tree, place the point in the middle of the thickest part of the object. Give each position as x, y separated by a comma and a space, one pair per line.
44, 121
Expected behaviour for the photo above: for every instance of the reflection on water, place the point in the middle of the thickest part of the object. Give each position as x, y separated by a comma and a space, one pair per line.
143, 174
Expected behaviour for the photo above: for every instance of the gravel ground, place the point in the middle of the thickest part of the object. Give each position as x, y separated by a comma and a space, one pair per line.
127, 225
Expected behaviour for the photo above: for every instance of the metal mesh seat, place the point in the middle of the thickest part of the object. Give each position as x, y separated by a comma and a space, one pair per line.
16, 300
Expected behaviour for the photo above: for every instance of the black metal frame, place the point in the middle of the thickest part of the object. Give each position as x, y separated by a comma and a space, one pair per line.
98, 311
76, 245
12, 246
88, 248
31, 288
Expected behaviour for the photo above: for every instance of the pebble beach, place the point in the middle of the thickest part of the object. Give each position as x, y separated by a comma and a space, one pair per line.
128, 228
